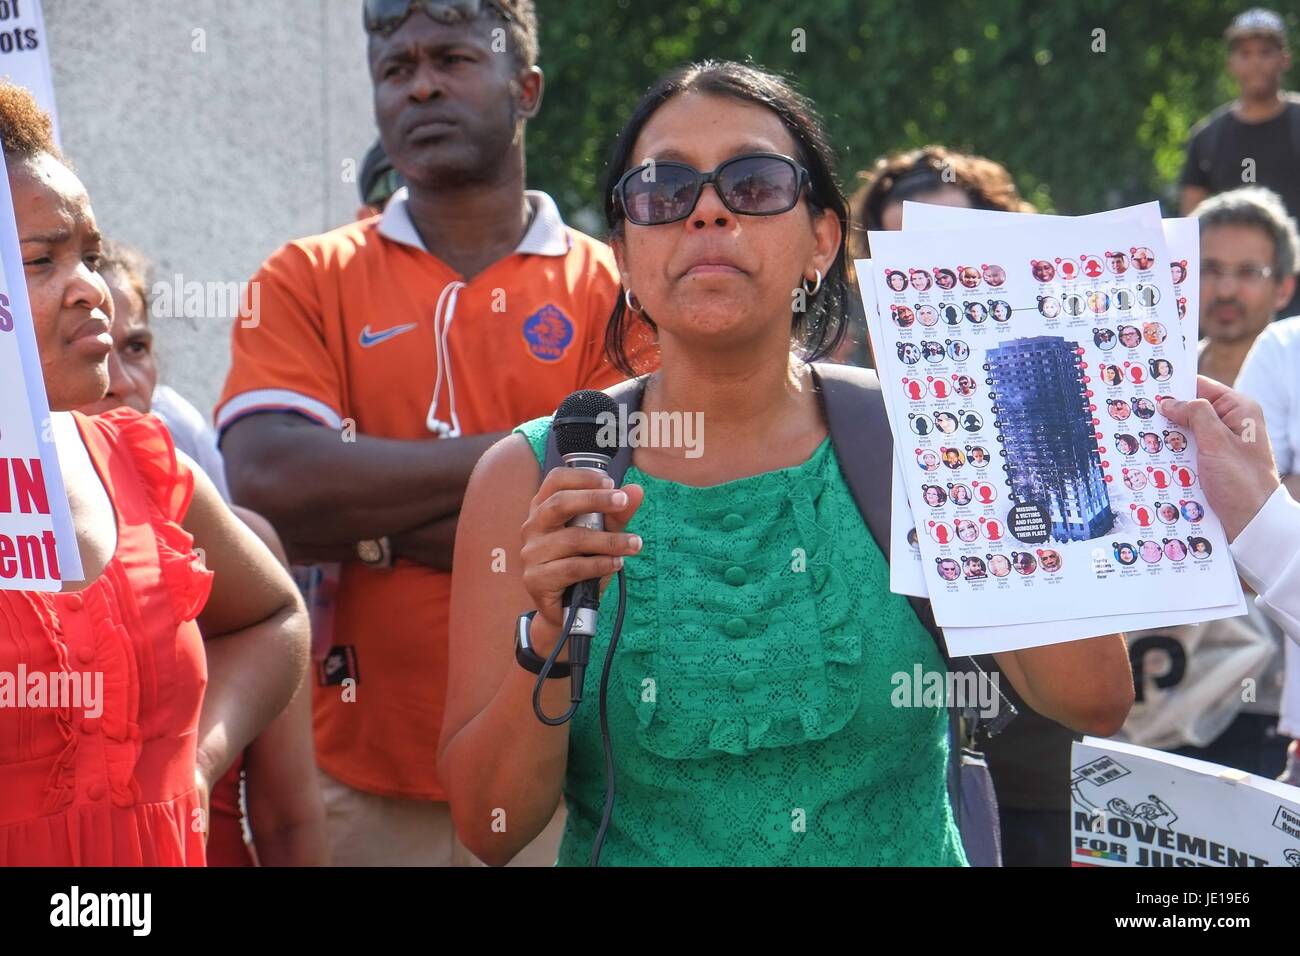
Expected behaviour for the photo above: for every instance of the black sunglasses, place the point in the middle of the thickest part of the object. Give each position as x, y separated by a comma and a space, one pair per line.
755, 184
385, 16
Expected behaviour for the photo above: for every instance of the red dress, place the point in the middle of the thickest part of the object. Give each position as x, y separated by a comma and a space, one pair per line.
115, 789
226, 846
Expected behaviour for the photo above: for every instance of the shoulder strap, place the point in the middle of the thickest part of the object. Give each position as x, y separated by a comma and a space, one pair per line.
855, 412
1212, 129
1293, 111
627, 394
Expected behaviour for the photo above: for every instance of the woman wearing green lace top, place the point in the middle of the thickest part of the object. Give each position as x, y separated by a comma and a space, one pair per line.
750, 697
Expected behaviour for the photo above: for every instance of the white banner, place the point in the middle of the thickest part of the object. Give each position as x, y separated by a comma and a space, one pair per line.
25, 52
1132, 806
38, 546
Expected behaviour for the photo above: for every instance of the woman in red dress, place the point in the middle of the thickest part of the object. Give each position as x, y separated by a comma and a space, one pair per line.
120, 775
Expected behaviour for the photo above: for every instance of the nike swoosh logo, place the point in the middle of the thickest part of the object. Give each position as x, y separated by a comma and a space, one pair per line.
370, 339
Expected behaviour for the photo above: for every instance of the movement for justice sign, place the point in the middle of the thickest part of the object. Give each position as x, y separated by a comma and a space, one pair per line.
1132, 806
38, 547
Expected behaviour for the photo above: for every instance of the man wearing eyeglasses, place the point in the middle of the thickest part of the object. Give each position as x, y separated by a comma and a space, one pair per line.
386, 357
1248, 264
1249, 250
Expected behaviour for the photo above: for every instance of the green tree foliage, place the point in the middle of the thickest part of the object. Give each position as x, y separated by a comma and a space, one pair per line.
1085, 120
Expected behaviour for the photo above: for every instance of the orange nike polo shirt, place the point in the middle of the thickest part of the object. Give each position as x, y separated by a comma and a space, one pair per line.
364, 324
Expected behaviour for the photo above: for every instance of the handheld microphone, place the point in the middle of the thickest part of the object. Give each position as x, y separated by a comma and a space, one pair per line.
578, 426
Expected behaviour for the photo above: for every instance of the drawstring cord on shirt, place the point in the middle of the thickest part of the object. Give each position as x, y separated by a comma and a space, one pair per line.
443, 315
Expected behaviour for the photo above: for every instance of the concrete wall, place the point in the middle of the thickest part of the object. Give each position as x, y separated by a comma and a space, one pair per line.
208, 133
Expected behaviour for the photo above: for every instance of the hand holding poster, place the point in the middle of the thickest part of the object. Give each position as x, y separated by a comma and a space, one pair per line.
38, 545
1136, 807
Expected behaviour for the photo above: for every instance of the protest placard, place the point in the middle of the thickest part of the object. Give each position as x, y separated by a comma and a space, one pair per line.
1132, 806
25, 53
38, 546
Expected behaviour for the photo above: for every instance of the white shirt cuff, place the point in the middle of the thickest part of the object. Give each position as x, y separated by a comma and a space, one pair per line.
1269, 542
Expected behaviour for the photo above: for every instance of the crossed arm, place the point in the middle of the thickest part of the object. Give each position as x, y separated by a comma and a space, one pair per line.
323, 494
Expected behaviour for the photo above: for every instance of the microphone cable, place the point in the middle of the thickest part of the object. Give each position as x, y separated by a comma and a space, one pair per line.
607, 811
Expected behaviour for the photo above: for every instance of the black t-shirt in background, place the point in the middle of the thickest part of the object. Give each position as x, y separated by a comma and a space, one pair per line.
1218, 148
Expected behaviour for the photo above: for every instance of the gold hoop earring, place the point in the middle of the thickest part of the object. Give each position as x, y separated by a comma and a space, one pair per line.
817, 285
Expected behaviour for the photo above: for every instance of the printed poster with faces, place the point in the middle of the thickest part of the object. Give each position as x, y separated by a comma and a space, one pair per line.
1182, 239
906, 575
1024, 367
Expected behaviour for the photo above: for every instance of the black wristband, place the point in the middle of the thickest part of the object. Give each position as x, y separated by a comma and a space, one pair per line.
527, 658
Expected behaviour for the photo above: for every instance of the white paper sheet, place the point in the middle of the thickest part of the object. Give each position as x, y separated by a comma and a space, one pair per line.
906, 576
1139, 562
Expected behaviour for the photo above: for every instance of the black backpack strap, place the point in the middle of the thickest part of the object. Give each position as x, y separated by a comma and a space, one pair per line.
855, 413
629, 395
1212, 127
1293, 114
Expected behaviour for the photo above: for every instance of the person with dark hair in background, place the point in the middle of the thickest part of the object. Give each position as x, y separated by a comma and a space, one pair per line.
378, 181
277, 771
191, 635
388, 355
1249, 255
133, 370
1258, 132
933, 174
1249, 242
711, 273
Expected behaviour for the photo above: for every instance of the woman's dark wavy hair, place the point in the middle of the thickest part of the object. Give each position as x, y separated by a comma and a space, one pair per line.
818, 330
916, 172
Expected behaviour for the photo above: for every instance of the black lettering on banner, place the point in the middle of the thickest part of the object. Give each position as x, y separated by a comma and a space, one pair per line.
1288, 822
1143, 646
19, 40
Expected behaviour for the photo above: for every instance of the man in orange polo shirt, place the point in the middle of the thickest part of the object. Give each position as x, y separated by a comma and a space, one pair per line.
383, 359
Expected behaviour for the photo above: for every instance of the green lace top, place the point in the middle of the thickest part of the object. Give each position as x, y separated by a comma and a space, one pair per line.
750, 697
